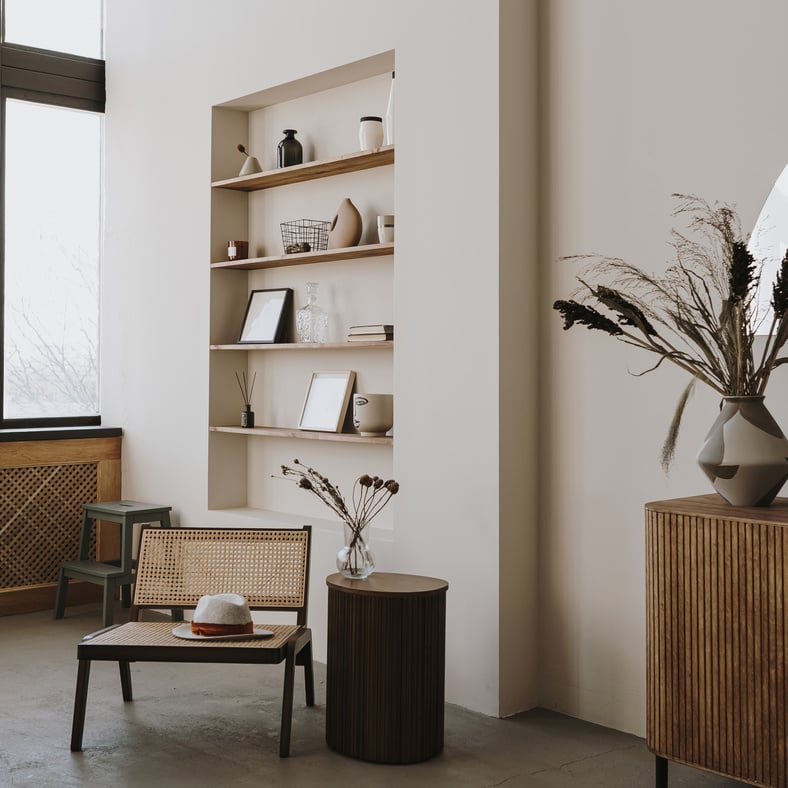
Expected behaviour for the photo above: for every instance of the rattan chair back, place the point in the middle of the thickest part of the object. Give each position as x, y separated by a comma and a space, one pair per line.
269, 567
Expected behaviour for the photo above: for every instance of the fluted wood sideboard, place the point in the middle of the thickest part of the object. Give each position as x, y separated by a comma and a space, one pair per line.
716, 631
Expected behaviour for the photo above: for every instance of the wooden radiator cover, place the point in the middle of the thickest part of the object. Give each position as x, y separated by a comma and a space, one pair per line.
43, 485
716, 628
40, 517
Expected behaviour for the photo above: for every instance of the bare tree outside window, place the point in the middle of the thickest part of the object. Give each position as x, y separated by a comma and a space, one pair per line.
52, 239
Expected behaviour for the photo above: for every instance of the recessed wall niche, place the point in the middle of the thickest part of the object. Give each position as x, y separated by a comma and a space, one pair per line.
355, 285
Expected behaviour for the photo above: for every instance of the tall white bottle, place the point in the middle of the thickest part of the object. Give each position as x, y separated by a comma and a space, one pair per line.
389, 139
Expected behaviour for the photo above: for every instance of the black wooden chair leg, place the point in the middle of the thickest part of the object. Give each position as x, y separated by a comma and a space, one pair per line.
661, 772
309, 673
108, 606
125, 595
80, 703
125, 679
287, 702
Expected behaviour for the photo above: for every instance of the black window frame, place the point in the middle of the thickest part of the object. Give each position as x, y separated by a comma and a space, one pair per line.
45, 77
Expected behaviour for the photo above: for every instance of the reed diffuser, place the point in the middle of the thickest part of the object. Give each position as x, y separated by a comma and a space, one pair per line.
247, 414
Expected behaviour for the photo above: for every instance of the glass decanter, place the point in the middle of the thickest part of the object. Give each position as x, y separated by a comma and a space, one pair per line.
312, 320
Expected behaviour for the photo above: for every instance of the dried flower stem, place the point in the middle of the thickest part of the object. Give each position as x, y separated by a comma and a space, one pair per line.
370, 495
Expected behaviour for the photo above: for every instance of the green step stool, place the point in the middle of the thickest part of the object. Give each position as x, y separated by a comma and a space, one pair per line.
110, 574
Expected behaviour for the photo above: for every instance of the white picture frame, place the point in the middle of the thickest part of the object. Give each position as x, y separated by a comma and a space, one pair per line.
326, 401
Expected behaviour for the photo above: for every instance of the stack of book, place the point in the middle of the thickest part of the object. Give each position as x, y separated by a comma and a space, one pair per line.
377, 332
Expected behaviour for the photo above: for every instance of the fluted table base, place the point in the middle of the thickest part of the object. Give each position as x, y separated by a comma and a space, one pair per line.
386, 667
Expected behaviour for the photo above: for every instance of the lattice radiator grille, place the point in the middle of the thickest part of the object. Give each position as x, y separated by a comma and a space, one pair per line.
40, 519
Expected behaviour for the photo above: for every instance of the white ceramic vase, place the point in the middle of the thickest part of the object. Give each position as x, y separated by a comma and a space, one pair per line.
745, 454
389, 137
370, 132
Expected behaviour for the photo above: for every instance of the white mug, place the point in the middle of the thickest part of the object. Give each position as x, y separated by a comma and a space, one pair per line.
386, 228
373, 414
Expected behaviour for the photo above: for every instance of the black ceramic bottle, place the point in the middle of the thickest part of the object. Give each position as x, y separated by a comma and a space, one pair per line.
289, 150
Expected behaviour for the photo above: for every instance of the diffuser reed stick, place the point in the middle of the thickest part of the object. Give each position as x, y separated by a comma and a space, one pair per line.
246, 389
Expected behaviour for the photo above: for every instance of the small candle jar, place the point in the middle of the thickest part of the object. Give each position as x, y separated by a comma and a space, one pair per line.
370, 132
237, 250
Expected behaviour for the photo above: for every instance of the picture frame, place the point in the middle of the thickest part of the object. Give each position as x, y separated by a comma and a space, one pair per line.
267, 316
326, 401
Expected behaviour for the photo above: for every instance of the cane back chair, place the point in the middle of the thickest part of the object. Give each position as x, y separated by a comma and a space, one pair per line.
176, 567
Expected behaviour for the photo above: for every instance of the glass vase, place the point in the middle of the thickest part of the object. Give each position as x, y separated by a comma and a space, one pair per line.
355, 560
312, 320
289, 151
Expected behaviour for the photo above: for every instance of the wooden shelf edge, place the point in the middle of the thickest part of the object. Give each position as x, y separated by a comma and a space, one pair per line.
307, 258
286, 432
350, 162
307, 346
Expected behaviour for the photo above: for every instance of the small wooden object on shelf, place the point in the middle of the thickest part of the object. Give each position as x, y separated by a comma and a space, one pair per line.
717, 638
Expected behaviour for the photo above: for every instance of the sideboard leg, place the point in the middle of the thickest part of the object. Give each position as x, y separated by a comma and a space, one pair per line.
661, 772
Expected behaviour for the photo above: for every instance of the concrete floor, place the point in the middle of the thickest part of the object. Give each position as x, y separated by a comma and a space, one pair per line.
218, 726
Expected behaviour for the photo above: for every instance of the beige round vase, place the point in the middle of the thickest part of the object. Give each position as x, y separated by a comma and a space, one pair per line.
346, 226
745, 454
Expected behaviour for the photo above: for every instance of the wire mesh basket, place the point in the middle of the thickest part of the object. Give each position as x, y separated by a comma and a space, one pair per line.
304, 235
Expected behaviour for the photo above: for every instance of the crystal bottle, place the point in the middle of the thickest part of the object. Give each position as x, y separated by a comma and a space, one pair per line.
312, 320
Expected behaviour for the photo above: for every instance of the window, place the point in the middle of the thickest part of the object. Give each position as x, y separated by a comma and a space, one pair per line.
72, 26
51, 121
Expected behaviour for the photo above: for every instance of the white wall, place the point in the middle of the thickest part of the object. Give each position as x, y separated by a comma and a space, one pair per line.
640, 100
643, 100
167, 64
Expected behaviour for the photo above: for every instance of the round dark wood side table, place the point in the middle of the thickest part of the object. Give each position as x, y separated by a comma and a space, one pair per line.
386, 667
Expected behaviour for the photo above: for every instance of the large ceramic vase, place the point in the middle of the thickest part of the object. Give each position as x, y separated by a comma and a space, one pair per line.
745, 453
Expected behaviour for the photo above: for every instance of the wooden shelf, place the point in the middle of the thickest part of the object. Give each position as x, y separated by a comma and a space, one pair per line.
351, 162
306, 346
287, 432
306, 258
